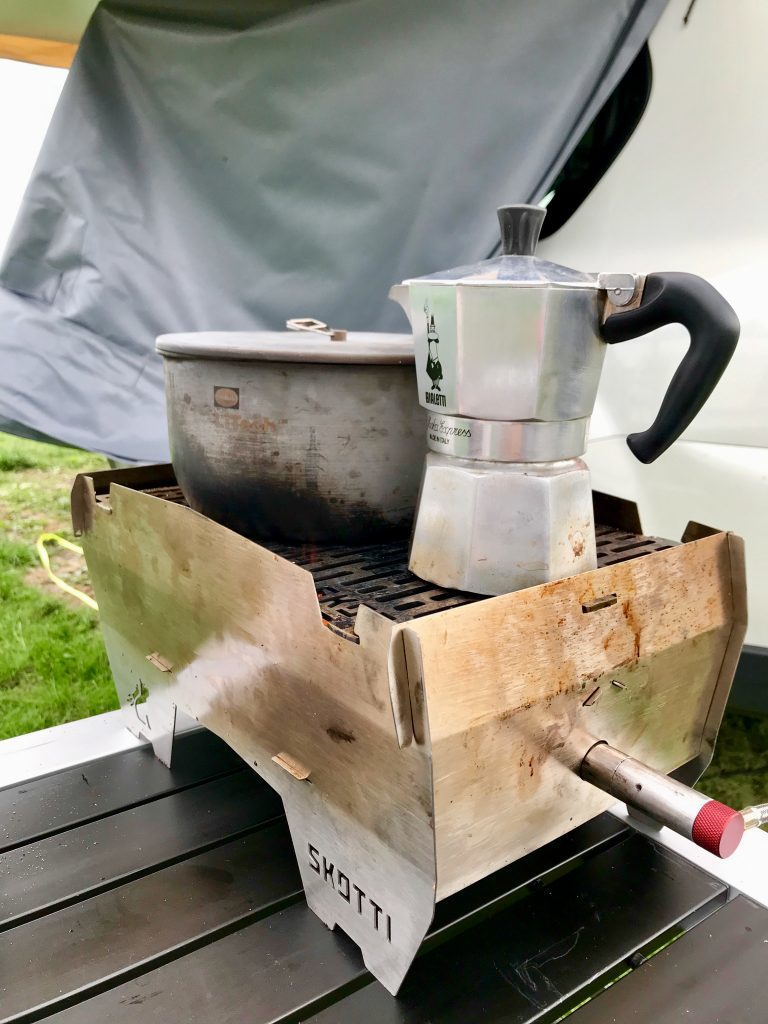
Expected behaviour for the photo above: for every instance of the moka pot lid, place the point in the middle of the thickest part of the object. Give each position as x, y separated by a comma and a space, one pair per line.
517, 266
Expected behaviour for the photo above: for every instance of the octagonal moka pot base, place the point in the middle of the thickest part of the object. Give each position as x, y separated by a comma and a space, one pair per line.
416, 750
495, 527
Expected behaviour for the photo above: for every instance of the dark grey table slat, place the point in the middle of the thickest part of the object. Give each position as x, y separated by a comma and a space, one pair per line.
59, 801
716, 974
274, 970
175, 897
68, 866
286, 968
529, 960
70, 949
326, 950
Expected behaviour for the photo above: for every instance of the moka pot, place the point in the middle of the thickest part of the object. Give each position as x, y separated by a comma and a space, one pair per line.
508, 359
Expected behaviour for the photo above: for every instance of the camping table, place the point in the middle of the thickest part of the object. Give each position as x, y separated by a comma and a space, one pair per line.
131, 892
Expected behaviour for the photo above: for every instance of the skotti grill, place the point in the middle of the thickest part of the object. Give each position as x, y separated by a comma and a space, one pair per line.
423, 735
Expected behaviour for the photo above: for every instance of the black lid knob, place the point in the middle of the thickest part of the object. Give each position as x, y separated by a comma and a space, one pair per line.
520, 227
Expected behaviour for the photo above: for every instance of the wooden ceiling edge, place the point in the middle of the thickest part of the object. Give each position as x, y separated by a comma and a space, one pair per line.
46, 52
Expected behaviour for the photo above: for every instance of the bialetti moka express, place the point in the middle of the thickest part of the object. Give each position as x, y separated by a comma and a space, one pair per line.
508, 359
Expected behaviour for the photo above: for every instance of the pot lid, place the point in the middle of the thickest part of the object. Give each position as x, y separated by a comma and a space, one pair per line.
517, 265
289, 347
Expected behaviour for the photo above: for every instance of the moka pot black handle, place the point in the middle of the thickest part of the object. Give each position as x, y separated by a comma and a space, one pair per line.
674, 298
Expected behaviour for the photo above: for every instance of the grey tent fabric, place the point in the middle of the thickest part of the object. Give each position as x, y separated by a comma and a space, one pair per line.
265, 161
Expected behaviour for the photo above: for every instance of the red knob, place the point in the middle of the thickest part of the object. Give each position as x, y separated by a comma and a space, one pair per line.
718, 828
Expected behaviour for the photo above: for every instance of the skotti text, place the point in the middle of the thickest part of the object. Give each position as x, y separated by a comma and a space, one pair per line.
366, 906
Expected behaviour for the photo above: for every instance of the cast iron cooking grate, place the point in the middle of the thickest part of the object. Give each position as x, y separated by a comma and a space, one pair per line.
377, 575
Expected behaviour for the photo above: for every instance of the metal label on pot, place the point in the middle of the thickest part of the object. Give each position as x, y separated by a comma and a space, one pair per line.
226, 398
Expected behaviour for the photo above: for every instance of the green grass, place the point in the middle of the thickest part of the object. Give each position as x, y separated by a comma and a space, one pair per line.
738, 775
53, 667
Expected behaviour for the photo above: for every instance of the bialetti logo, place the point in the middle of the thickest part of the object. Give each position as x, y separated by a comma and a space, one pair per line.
434, 398
366, 907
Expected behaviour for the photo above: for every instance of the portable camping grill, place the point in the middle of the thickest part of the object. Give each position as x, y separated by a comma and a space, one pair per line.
420, 738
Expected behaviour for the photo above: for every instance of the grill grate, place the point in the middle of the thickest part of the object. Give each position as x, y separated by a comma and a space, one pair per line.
172, 493
377, 576
614, 546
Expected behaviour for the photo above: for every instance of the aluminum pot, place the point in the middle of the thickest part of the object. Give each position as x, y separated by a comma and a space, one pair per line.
296, 437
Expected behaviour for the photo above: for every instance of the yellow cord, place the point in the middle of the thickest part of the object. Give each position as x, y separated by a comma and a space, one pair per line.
54, 538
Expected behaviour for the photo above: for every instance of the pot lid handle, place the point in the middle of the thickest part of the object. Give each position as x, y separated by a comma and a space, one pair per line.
308, 323
520, 226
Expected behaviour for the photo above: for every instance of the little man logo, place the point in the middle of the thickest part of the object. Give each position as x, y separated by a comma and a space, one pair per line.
434, 369
350, 892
